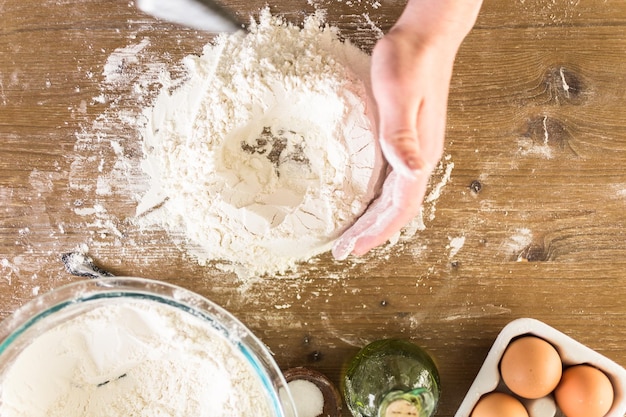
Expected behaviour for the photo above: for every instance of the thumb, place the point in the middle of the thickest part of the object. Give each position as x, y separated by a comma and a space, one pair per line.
402, 151
399, 138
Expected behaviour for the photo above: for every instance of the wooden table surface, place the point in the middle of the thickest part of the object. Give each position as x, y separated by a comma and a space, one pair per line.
530, 222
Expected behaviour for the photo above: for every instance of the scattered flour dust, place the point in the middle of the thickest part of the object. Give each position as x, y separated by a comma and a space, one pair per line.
517, 242
131, 358
456, 244
264, 154
293, 97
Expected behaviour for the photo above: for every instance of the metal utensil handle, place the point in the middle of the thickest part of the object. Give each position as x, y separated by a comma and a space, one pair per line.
204, 15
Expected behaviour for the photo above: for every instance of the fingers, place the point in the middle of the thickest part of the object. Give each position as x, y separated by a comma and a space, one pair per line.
398, 203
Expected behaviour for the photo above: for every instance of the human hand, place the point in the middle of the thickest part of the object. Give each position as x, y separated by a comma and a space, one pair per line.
410, 89
410, 76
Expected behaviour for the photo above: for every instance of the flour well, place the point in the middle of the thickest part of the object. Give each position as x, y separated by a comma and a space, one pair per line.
263, 155
133, 358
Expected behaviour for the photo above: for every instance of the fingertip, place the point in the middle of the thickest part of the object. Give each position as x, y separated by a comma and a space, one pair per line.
368, 242
353, 247
360, 251
342, 248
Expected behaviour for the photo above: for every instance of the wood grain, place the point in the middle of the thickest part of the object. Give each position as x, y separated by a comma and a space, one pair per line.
536, 135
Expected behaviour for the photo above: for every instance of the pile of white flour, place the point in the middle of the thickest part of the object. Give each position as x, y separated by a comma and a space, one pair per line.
263, 155
133, 359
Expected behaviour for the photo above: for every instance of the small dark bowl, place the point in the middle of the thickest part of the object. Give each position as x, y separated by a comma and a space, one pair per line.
332, 398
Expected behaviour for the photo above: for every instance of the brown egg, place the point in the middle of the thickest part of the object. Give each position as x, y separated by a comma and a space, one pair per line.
531, 367
498, 404
584, 391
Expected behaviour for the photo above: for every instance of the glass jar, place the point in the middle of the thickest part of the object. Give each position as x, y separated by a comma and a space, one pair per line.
391, 377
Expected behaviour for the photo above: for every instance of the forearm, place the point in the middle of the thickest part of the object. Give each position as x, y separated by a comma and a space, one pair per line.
441, 22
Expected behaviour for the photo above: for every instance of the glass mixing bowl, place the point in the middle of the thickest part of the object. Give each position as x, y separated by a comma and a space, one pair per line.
47, 312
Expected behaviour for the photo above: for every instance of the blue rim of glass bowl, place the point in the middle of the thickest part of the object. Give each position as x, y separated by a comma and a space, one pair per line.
56, 300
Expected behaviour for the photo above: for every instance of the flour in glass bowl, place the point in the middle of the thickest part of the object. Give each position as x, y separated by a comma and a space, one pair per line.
263, 155
133, 358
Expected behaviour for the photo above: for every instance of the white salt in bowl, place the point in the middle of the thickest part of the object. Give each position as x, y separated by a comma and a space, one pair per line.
118, 343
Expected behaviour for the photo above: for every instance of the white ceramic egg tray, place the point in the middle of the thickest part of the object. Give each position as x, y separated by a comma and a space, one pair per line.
571, 351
